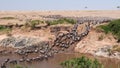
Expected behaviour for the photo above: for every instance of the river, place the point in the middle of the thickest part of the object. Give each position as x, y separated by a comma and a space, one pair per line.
54, 62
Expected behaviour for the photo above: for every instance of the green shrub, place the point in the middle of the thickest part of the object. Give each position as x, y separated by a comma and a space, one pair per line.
32, 23
104, 28
70, 21
113, 27
5, 30
81, 62
37, 21
2, 28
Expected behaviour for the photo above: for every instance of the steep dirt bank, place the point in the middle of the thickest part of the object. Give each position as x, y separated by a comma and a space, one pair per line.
97, 43
62, 40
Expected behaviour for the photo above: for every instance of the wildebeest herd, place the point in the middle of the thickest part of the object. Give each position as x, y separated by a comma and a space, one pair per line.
62, 42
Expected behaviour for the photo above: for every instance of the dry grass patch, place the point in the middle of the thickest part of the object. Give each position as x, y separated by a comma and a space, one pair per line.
101, 37
116, 48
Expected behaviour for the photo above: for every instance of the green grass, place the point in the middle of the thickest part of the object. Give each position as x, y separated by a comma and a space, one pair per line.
37, 21
18, 66
113, 27
105, 28
81, 62
62, 21
7, 18
33, 23
4, 29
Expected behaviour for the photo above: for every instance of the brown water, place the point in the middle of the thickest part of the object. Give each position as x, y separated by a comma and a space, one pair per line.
54, 62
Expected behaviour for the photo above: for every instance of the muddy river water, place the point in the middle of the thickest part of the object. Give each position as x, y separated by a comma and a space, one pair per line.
54, 62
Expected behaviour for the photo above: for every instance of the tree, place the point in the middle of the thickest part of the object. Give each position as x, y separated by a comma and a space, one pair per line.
118, 7
82, 62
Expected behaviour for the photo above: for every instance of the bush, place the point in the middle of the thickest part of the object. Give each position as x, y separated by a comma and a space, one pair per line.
32, 23
113, 27
105, 28
1, 27
81, 62
70, 21
37, 21
5, 30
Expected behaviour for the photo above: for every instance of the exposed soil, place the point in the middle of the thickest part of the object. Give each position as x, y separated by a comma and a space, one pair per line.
91, 43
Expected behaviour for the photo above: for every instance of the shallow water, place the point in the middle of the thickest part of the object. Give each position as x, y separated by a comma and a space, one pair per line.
54, 62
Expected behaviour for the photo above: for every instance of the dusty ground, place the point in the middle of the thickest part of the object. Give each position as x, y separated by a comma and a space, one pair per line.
22, 16
88, 44
34, 14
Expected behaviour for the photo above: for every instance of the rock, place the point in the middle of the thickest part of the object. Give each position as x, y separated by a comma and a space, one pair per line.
19, 41
105, 51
